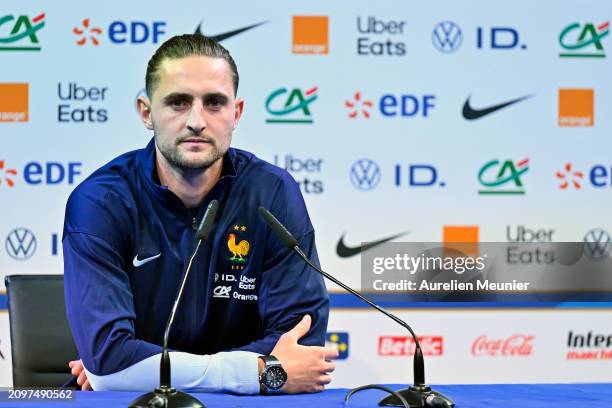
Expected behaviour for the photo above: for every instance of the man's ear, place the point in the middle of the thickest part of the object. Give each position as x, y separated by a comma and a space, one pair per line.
238, 109
144, 110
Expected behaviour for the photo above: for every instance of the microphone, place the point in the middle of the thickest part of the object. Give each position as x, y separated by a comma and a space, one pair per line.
417, 395
165, 396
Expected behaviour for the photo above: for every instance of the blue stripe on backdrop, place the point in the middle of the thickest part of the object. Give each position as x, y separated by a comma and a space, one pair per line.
348, 301
345, 300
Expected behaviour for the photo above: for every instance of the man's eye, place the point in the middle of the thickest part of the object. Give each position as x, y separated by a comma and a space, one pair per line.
178, 104
215, 104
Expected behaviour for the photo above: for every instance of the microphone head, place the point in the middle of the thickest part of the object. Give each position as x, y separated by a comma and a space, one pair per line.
278, 228
207, 221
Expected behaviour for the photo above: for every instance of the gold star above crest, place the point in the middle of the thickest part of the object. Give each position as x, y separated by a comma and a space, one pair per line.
236, 228
243, 228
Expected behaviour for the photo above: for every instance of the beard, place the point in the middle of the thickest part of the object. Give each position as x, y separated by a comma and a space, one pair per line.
177, 159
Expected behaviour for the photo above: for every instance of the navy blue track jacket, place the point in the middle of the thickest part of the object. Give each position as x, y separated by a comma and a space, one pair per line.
127, 241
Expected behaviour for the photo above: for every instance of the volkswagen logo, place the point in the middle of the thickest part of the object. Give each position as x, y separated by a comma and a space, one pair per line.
447, 36
20, 244
597, 243
365, 174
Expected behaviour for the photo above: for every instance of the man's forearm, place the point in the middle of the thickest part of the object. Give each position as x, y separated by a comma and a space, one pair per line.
235, 372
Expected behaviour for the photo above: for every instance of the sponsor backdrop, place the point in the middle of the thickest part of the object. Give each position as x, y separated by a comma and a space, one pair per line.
465, 121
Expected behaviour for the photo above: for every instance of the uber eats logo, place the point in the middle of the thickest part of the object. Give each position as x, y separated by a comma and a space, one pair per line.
81, 104
379, 37
306, 171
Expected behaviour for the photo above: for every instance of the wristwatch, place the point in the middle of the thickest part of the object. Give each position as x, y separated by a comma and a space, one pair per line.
273, 376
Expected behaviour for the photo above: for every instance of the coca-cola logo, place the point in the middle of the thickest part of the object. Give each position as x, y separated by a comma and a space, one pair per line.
404, 345
518, 345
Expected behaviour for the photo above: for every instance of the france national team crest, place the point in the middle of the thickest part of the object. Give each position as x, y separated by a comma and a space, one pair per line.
238, 247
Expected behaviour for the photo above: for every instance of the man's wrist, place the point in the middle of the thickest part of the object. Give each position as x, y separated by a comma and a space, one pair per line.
272, 377
260, 367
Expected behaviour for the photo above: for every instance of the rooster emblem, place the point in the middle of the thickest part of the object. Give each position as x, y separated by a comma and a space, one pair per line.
239, 250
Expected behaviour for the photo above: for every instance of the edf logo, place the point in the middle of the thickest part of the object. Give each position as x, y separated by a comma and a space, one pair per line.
35, 173
390, 106
136, 32
406, 105
119, 32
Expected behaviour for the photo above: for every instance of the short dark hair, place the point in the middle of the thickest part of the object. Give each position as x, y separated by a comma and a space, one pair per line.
187, 45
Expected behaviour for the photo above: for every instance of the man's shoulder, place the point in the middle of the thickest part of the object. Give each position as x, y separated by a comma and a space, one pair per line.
102, 193
272, 187
113, 177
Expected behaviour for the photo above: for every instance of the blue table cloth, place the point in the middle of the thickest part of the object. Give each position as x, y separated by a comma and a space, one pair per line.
472, 396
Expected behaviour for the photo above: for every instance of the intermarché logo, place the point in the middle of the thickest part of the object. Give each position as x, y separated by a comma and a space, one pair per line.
295, 108
22, 35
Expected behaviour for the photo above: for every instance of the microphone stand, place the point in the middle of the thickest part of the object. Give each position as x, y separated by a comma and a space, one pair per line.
165, 396
417, 395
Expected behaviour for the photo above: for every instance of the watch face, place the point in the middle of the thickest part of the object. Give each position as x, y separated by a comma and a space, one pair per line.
275, 377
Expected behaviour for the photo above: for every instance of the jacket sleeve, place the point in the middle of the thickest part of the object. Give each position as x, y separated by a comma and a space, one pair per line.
289, 287
101, 315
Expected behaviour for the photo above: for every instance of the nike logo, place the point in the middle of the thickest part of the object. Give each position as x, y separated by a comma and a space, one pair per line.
225, 36
139, 262
346, 252
470, 113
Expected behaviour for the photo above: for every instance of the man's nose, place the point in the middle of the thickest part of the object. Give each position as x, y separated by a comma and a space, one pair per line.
196, 122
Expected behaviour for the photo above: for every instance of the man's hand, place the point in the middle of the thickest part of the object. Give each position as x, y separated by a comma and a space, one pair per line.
77, 369
307, 367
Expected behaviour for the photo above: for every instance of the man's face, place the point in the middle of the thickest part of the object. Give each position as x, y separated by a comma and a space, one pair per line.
193, 111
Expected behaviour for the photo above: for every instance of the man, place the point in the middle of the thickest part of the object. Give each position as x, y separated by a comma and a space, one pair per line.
130, 228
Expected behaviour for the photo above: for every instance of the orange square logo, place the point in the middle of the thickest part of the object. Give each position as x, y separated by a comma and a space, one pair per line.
576, 107
463, 238
310, 35
13, 102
